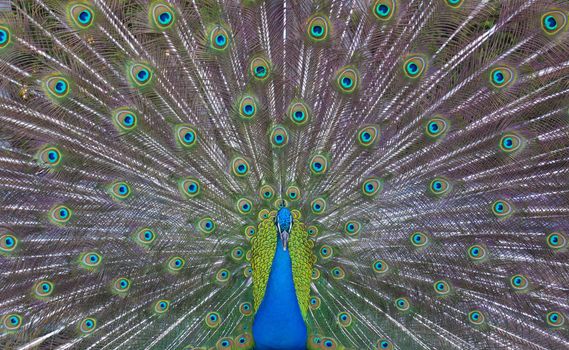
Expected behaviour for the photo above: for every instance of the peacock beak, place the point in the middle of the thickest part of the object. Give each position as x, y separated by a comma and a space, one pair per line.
284, 238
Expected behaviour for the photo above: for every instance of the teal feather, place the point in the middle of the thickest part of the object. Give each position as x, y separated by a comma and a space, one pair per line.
423, 147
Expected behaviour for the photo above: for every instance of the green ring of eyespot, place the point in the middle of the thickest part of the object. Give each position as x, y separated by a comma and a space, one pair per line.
477, 252
337, 273
8, 242
383, 10
176, 263
502, 209
380, 266
87, 325
442, 287
60, 214
91, 260
371, 187
212, 319
556, 240
519, 282
402, 304
419, 239
476, 317
161, 306
555, 319
43, 288
318, 206
344, 319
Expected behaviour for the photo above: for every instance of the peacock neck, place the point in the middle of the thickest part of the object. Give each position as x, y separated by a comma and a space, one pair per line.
278, 323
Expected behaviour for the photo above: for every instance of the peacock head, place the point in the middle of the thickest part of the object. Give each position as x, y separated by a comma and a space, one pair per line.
283, 221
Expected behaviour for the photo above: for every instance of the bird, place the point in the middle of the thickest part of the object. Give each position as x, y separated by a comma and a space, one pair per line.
284, 174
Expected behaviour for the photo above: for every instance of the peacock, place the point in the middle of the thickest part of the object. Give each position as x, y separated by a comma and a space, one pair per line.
295, 174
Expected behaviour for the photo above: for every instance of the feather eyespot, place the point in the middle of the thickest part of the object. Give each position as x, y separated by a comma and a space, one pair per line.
12, 322
442, 287
240, 167
87, 325
318, 164
371, 187
326, 252
318, 206
264, 213
121, 285
344, 319
60, 214
419, 239
81, 16
244, 206
312, 231
352, 228
279, 137
383, 9
219, 38
161, 15
248, 107
402, 304
347, 79
502, 209
436, 127
189, 187
293, 193
222, 275
161, 306
250, 231
125, 120
555, 319
380, 266
315, 274
414, 66
224, 343
314, 303
246, 308
440, 186
260, 68
237, 253
477, 252
212, 319
519, 282
57, 87
43, 289
510, 143
329, 343
501, 77
318, 28
8, 242
553, 22
299, 113
176, 264
476, 317
368, 135
186, 135
266, 192
90, 260
338, 273
384, 344
140, 75
145, 236
557, 240
49, 157
120, 190
5, 37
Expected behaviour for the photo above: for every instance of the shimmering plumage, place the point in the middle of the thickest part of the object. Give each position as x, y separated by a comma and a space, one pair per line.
157, 157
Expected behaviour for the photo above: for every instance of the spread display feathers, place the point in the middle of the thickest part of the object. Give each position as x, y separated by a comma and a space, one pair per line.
422, 148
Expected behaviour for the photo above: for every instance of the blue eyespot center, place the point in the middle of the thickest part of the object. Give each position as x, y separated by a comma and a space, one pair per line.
52, 156
143, 75
384, 344
508, 143
208, 225
499, 207
165, 18
317, 31
412, 68
220, 40
550, 22
14, 320
317, 166
189, 136
260, 71
433, 127
63, 213
475, 316
328, 344
84, 17
3, 36
163, 305
299, 115
9, 242
60, 86
128, 120
498, 77
241, 168
347, 82
382, 10
366, 136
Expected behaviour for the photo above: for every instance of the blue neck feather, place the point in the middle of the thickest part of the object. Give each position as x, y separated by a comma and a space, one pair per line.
278, 323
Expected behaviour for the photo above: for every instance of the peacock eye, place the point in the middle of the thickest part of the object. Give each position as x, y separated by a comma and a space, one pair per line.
161, 15
318, 164
555, 319
556, 240
279, 136
57, 87
553, 22
402, 304
510, 143
347, 79
4, 36
219, 38
368, 135
87, 325
383, 9
60, 214
176, 264
260, 68
81, 16
501, 77
414, 66
419, 239
476, 317
318, 28
371, 187
161, 306
212, 319
519, 282
240, 167
91, 260
125, 120
436, 127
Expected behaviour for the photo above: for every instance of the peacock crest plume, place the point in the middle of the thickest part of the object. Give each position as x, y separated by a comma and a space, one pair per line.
264, 174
